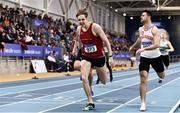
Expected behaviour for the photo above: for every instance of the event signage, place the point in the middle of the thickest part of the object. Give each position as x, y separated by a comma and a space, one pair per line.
32, 51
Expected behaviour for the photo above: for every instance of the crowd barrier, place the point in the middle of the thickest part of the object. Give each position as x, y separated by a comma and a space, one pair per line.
121, 55
32, 51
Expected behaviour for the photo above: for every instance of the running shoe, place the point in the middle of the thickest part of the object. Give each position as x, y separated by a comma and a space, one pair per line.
143, 107
89, 107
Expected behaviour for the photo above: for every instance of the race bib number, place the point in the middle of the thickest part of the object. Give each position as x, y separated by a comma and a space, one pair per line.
90, 48
146, 44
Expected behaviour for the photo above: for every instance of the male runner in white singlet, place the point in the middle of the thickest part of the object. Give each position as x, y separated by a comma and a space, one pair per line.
149, 38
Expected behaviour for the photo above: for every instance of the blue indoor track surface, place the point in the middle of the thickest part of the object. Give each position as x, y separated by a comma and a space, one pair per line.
66, 95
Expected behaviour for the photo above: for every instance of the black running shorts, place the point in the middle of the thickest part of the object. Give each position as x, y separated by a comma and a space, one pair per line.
156, 64
165, 60
95, 62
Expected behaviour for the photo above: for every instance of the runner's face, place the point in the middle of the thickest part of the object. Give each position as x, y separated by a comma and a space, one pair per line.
144, 17
82, 20
163, 36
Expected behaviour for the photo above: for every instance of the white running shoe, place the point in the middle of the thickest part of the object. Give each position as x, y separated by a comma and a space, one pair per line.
143, 107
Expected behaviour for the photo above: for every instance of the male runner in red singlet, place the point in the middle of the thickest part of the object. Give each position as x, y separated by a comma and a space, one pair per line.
92, 37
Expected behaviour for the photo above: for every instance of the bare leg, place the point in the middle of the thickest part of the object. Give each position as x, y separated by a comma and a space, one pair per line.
102, 73
77, 65
110, 72
85, 70
161, 76
91, 80
143, 89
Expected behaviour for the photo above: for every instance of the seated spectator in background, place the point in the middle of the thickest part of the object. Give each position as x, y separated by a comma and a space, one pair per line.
67, 60
66, 57
52, 64
51, 56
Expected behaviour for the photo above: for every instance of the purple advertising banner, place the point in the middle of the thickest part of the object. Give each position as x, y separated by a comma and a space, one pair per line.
33, 51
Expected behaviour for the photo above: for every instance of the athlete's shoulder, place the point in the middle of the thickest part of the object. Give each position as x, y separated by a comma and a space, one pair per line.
155, 29
140, 28
168, 42
96, 29
96, 26
78, 28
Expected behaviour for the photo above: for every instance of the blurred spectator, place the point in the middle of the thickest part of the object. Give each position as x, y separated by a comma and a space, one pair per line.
22, 41
30, 28
2, 40
14, 21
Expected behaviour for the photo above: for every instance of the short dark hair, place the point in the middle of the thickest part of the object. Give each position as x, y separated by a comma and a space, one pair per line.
148, 13
82, 12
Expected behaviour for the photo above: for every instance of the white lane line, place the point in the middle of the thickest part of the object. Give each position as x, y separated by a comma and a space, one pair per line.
95, 96
122, 73
151, 105
50, 82
23, 91
62, 98
139, 96
175, 107
65, 92
50, 86
39, 83
78, 89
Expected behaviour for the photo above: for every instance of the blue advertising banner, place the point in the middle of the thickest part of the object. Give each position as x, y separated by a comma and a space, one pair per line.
33, 51
121, 55
56, 49
11, 50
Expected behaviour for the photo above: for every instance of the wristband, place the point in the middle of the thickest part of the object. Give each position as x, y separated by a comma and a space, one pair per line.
110, 55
